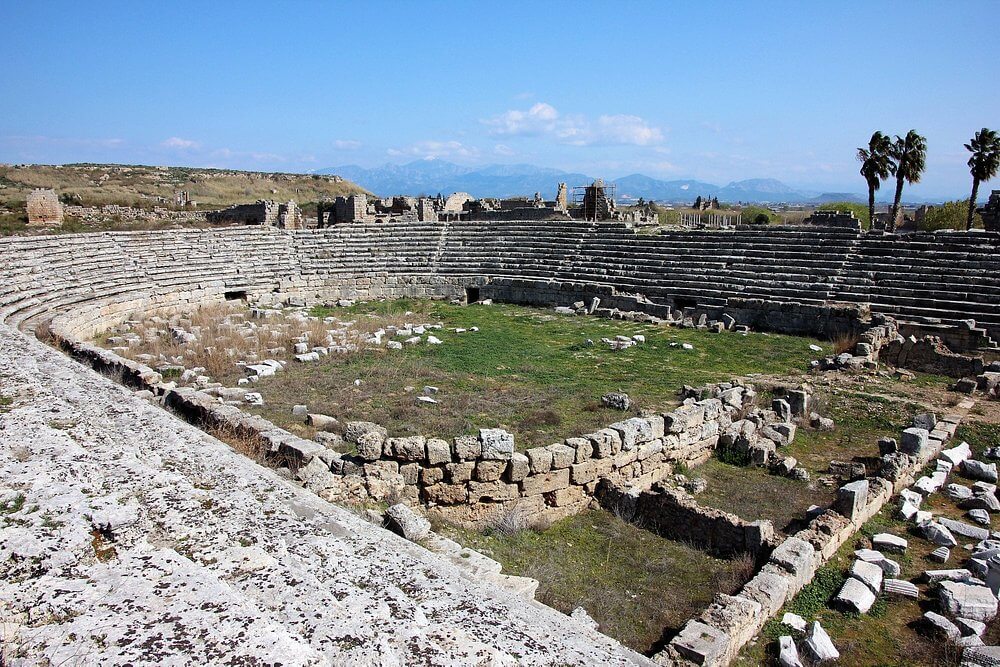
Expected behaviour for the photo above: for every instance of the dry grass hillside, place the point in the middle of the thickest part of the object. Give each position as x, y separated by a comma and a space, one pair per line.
142, 186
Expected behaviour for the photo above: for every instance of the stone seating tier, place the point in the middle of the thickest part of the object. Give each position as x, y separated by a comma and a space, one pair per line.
942, 275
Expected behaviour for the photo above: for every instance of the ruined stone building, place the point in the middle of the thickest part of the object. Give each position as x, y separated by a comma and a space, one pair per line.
44, 208
843, 219
263, 212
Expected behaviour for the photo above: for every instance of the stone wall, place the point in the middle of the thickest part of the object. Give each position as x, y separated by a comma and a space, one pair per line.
717, 636
44, 207
262, 212
132, 214
673, 513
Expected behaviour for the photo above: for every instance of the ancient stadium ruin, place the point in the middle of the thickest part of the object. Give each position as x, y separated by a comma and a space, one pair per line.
133, 533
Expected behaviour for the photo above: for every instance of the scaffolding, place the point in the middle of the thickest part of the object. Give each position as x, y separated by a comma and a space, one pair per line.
596, 201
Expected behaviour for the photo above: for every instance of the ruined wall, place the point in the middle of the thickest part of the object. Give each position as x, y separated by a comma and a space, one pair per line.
674, 514
44, 208
717, 636
469, 477
262, 212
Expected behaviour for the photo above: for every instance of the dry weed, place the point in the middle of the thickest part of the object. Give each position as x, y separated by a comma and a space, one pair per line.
243, 442
844, 342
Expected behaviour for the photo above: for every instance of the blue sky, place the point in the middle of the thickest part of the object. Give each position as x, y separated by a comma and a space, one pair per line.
717, 91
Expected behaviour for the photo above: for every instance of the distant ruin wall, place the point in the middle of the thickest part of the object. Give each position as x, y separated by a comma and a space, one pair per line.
44, 208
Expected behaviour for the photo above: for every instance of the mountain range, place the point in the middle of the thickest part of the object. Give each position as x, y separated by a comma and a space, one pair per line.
430, 177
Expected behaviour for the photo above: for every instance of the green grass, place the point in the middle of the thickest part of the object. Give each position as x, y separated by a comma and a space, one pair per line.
861, 419
12, 505
527, 370
636, 585
980, 435
753, 493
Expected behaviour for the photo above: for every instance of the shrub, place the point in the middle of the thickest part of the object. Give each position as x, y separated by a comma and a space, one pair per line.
950, 215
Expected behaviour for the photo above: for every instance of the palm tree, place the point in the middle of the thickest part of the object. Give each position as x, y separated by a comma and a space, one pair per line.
985, 160
876, 166
910, 155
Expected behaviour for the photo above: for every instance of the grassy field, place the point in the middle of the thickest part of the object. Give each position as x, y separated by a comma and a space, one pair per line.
636, 585
528, 370
98, 184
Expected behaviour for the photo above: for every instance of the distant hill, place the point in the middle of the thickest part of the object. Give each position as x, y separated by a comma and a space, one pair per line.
430, 177
640, 185
136, 185
828, 197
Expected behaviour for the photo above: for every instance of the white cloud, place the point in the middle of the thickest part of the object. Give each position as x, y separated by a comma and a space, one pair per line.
542, 119
501, 149
180, 144
347, 144
624, 129
539, 119
436, 149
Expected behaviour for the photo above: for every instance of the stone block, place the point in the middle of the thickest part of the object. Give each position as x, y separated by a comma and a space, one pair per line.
914, 442
492, 491
497, 443
431, 476
607, 442
539, 459
447, 494
562, 456
458, 473
854, 596
684, 418
852, 499
410, 473
467, 448
870, 574
411, 448
583, 447
968, 600
370, 445
568, 496
545, 482
581, 473
489, 470
438, 451
403, 520
633, 432
700, 643
818, 644
518, 467
795, 556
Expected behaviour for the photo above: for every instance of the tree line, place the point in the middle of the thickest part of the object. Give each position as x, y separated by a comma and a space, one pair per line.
904, 158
